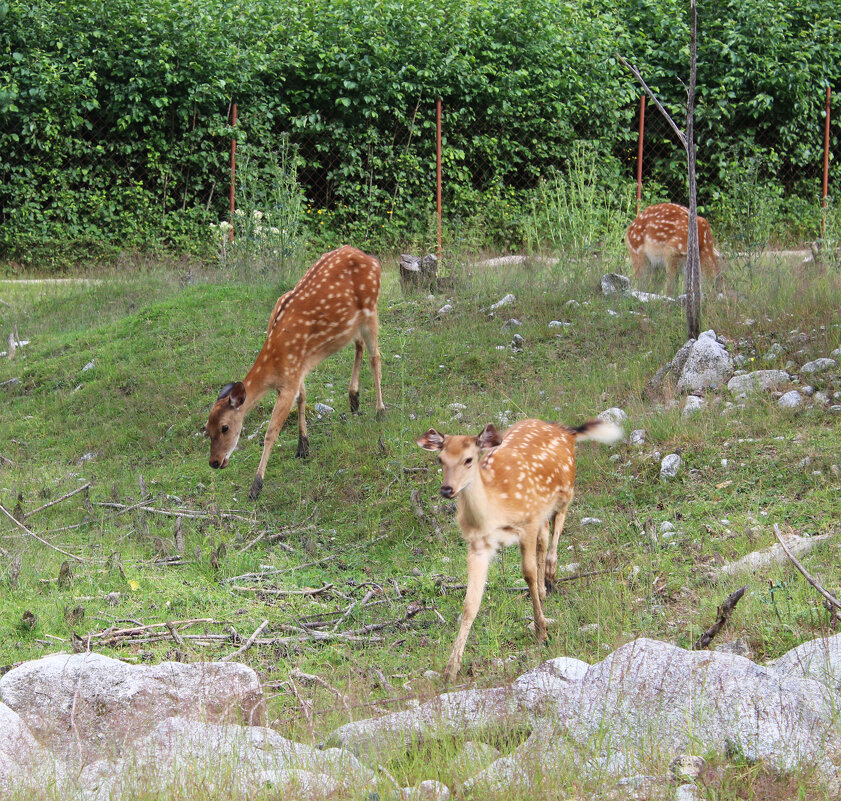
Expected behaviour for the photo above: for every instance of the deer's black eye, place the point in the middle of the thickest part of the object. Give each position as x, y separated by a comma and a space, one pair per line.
224, 429
468, 460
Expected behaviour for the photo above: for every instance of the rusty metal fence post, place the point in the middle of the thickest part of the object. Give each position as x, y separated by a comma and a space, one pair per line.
438, 172
233, 203
825, 161
639, 152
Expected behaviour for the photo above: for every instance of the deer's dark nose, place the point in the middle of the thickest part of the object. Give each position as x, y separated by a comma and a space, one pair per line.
447, 491
214, 463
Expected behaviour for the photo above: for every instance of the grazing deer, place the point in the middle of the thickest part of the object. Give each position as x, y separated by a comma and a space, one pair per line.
509, 495
657, 238
334, 303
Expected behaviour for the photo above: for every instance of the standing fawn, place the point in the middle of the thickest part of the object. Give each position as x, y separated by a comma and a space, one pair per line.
334, 303
658, 236
509, 495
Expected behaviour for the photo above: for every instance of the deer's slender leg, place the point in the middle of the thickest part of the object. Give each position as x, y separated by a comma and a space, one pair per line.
478, 559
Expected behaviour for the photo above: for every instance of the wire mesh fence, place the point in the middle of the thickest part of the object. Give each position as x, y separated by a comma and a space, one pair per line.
375, 185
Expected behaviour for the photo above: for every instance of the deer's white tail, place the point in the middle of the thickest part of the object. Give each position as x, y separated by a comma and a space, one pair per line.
605, 431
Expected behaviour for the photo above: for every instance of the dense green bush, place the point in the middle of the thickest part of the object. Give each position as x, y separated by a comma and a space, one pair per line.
114, 116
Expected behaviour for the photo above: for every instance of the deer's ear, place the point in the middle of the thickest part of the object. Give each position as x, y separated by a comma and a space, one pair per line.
237, 395
489, 437
431, 441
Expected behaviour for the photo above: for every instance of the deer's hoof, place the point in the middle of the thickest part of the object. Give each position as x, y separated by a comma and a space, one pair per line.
256, 487
353, 397
303, 448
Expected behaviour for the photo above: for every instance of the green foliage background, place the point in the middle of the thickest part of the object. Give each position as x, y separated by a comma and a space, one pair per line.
114, 116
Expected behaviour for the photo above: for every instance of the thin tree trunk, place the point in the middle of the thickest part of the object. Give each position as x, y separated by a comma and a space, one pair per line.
692, 280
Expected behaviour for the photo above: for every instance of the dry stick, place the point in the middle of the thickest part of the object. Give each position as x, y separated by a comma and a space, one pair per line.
57, 500
175, 513
829, 597
352, 607
311, 678
42, 541
724, 612
273, 538
635, 72
268, 591
248, 643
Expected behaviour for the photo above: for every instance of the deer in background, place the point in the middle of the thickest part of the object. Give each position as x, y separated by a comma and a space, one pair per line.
511, 493
334, 303
657, 238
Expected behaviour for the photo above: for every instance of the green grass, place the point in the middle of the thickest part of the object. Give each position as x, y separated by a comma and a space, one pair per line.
160, 352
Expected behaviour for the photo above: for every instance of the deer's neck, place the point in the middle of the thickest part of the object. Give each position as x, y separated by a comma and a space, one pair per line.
474, 504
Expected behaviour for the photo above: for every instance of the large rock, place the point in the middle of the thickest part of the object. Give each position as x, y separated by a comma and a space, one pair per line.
758, 381
226, 761
651, 697
707, 365
87, 705
817, 659
457, 714
21, 757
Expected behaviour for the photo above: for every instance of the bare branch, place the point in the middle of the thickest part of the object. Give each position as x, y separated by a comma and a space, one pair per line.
57, 500
272, 591
724, 612
829, 597
635, 72
41, 540
248, 643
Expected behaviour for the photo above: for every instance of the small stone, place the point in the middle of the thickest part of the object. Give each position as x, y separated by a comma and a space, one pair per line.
323, 408
818, 366
558, 324
686, 766
426, 791
512, 323
808, 390
574, 304
432, 675
821, 398
687, 792
457, 407
517, 342
692, 405
637, 436
591, 521
666, 526
588, 628
615, 284
88, 366
506, 301
670, 465
791, 400
614, 415
447, 308
774, 352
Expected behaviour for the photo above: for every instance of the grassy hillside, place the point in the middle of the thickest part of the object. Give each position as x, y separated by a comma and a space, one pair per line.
116, 384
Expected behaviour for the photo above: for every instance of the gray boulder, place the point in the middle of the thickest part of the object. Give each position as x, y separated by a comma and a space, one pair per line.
758, 381
791, 400
707, 365
86, 705
818, 366
817, 659
653, 697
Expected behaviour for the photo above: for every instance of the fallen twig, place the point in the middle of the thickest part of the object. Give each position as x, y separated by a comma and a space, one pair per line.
271, 591
40, 539
829, 597
724, 612
57, 500
248, 643
310, 678
175, 512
